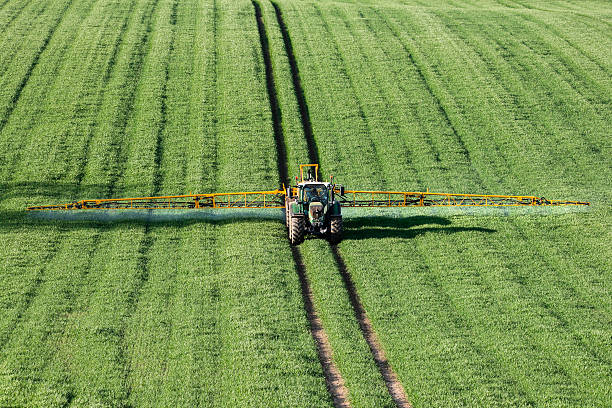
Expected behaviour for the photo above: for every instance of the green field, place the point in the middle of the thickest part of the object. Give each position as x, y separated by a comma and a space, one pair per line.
481, 307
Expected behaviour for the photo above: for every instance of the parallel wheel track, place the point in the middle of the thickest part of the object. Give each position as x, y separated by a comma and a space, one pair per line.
333, 378
396, 390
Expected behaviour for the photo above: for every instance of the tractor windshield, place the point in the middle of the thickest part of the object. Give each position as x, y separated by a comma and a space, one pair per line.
315, 192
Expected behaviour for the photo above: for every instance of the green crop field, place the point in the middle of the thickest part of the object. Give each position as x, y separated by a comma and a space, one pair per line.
448, 307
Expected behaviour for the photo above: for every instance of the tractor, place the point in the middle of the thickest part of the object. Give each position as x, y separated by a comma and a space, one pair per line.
312, 207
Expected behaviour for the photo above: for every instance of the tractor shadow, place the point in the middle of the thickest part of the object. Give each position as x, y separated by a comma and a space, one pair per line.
401, 227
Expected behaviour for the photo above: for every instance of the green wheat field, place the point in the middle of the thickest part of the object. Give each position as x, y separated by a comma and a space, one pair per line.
473, 308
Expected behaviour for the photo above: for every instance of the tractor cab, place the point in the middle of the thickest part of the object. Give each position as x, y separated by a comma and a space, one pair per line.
315, 192
310, 189
315, 197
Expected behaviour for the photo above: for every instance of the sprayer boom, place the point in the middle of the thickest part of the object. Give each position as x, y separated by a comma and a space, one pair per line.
311, 206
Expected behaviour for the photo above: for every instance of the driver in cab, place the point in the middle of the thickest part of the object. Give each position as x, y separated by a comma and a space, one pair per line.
316, 193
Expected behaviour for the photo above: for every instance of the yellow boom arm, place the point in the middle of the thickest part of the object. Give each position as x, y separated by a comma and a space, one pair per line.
354, 198
276, 199
253, 199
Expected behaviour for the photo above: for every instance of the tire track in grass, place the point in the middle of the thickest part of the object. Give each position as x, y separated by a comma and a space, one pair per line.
393, 385
335, 382
333, 378
210, 349
313, 152
33, 64
157, 177
279, 138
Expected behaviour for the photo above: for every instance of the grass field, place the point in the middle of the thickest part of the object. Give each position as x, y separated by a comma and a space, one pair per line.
483, 307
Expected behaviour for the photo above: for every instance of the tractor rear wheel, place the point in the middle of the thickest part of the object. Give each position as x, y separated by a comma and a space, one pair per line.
287, 212
335, 230
296, 230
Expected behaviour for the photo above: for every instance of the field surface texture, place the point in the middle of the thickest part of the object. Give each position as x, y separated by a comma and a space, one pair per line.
415, 307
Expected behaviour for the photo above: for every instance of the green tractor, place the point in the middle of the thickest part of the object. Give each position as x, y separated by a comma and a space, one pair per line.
312, 208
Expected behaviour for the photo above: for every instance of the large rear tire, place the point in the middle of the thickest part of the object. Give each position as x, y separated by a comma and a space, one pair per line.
335, 230
287, 213
296, 230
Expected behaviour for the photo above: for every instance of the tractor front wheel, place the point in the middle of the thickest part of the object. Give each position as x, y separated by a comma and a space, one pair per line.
296, 229
335, 230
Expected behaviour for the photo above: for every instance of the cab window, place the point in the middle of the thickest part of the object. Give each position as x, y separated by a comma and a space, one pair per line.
318, 193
